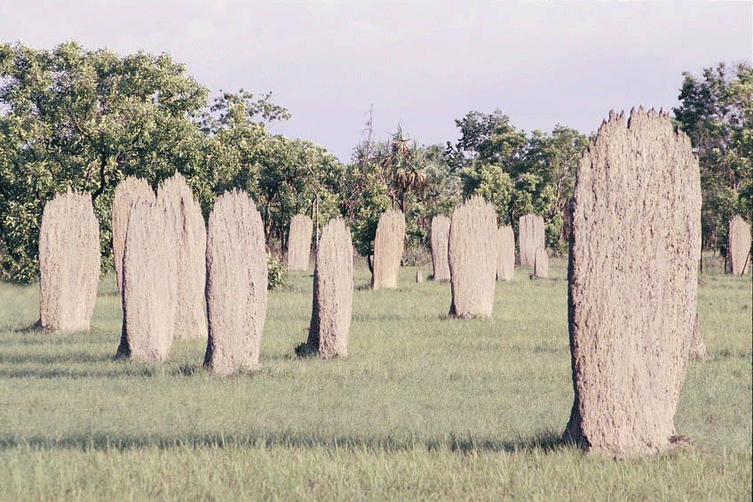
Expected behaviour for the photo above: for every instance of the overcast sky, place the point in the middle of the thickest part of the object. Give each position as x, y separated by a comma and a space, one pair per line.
422, 64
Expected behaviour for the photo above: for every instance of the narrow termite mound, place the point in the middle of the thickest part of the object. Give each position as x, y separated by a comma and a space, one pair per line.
388, 249
541, 264
440, 241
68, 263
150, 283
127, 193
505, 253
697, 347
632, 283
738, 246
333, 294
183, 213
236, 284
473, 258
299, 242
530, 238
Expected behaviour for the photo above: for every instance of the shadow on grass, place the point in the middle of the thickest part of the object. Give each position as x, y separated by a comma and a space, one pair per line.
546, 442
51, 359
35, 367
38, 336
74, 374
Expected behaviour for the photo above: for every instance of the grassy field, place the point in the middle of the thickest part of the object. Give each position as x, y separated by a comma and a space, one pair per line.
425, 407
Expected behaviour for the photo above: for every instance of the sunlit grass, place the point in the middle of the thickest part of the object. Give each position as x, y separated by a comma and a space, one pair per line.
424, 407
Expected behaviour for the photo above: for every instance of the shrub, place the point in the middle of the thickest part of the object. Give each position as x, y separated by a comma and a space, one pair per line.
277, 273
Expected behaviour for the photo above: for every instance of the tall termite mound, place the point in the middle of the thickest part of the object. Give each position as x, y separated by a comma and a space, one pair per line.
68, 263
127, 193
697, 347
632, 283
473, 258
388, 249
440, 241
150, 283
738, 246
299, 242
541, 264
505, 253
530, 238
236, 284
184, 215
333, 294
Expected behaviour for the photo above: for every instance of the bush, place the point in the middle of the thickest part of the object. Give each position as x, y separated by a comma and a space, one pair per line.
277, 274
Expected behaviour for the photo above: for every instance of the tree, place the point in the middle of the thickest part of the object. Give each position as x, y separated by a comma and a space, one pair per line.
284, 176
486, 139
296, 177
519, 175
365, 194
553, 159
488, 158
72, 118
235, 130
716, 111
383, 175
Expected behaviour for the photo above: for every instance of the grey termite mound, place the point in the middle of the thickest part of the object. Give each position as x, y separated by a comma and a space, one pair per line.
473, 258
738, 246
127, 193
236, 284
440, 240
530, 238
299, 242
150, 283
333, 294
505, 253
388, 249
184, 215
541, 264
632, 283
68, 263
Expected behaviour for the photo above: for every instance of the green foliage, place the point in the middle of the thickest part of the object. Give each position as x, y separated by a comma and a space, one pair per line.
552, 160
401, 174
284, 176
519, 175
277, 273
72, 118
83, 119
716, 111
296, 177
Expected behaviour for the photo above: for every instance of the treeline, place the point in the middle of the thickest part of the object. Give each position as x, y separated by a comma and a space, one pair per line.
86, 119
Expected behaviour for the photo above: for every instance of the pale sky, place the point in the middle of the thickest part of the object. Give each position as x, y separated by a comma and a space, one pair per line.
420, 63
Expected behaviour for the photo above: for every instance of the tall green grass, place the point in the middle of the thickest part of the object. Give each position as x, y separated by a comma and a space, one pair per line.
425, 407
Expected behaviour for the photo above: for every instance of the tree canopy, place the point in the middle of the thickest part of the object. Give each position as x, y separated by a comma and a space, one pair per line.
73, 118
716, 111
